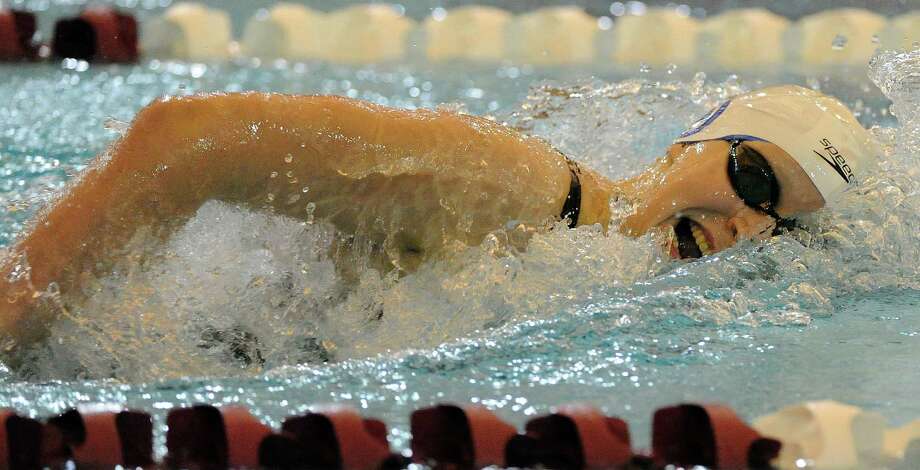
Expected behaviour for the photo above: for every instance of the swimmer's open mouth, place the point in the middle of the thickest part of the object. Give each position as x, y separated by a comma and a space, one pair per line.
691, 239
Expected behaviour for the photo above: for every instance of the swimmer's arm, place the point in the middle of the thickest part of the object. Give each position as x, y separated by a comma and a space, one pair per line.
361, 166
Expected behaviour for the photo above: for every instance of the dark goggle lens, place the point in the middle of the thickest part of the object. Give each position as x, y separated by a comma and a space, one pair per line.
752, 178
753, 187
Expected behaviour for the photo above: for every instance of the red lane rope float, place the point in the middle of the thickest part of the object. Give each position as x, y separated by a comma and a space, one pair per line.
17, 28
460, 436
576, 436
102, 439
334, 437
98, 34
206, 437
709, 435
20, 441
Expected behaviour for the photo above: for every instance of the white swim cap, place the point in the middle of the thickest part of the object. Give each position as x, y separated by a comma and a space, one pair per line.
818, 131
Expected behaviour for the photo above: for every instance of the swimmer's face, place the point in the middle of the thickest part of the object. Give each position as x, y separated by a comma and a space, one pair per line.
689, 195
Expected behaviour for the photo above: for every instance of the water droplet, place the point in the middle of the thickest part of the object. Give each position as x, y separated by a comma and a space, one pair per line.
839, 42
274, 174
671, 68
21, 269
116, 125
311, 208
305, 189
733, 81
289, 174
604, 23
644, 68
699, 81
53, 289
813, 83
288, 158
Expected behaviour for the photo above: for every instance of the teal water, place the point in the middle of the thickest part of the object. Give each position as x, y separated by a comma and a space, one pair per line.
831, 312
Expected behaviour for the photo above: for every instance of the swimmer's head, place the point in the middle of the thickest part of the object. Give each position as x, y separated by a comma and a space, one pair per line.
749, 166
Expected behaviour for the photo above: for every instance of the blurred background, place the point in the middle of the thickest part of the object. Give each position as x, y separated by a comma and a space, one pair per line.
241, 10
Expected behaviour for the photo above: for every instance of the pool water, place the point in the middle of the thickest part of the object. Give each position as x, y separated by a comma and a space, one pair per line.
244, 307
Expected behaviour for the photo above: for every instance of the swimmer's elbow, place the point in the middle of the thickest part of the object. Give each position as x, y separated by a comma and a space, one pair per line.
153, 125
169, 114
173, 128
165, 145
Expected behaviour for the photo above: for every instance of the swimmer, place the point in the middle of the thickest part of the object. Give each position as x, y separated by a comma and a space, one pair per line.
406, 187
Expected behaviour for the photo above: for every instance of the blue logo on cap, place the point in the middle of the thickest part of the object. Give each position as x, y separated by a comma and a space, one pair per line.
706, 120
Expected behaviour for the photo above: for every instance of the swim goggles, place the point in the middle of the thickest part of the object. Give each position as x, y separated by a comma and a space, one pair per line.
754, 182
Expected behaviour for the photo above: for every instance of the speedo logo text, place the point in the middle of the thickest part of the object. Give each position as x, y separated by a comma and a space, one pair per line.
836, 160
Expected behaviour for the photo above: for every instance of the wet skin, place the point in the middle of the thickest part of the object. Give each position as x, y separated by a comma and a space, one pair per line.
404, 186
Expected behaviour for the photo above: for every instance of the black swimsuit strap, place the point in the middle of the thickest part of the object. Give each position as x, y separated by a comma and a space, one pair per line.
572, 206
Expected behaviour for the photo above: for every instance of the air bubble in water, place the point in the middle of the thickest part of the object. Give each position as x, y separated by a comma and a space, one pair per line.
288, 158
644, 68
839, 42
273, 174
305, 189
269, 197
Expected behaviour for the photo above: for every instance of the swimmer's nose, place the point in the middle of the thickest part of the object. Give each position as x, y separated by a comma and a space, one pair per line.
749, 224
